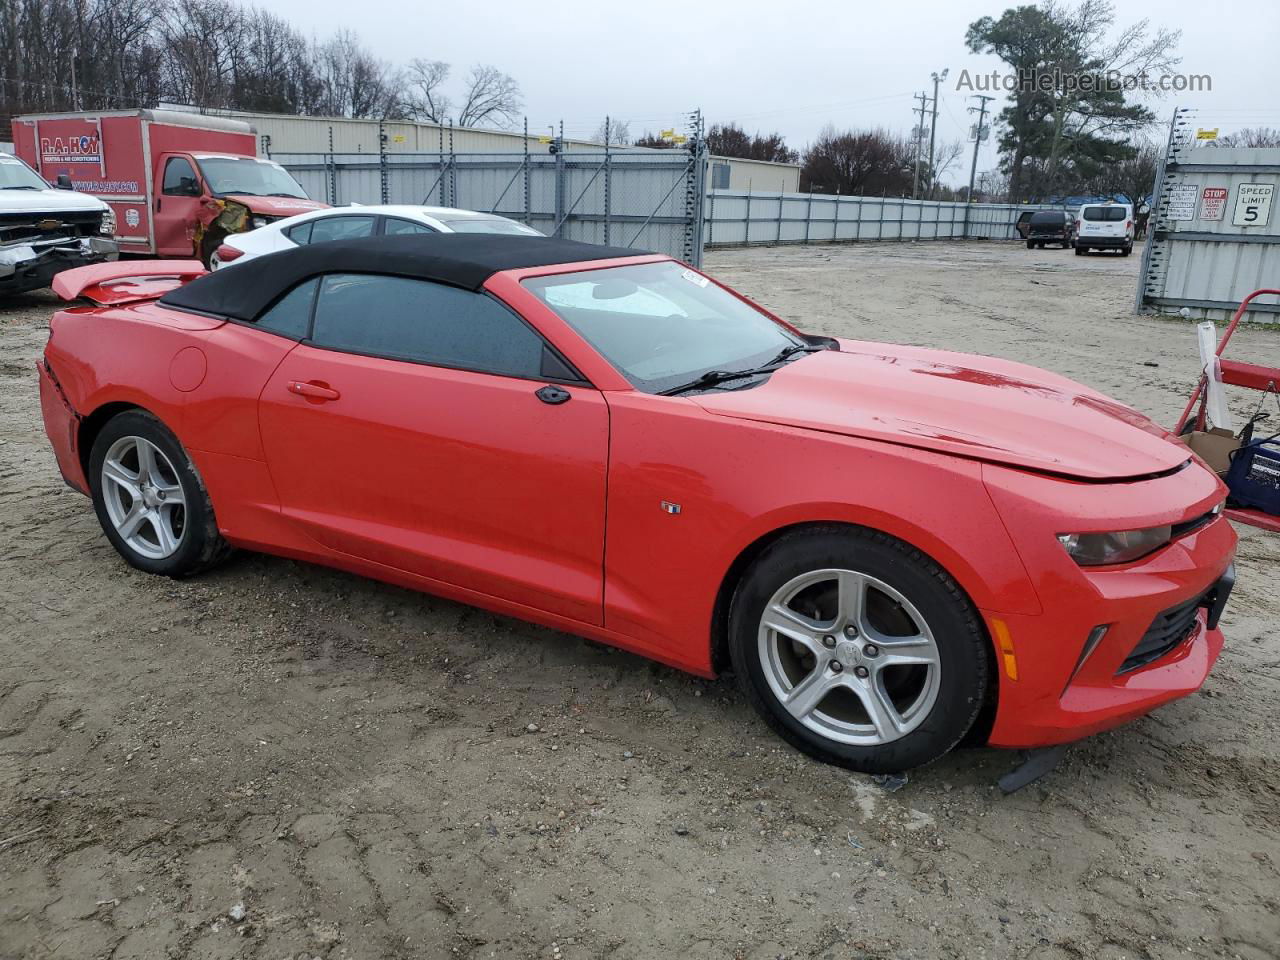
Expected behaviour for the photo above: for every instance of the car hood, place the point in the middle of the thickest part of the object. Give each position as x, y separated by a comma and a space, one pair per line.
47, 201
276, 206
976, 407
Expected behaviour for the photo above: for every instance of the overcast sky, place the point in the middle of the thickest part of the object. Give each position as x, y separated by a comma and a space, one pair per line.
787, 66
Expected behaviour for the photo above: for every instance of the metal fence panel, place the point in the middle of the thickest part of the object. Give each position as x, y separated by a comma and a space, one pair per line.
643, 201
737, 218
1198, 258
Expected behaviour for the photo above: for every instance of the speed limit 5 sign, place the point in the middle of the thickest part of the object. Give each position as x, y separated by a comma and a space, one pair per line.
1253, 204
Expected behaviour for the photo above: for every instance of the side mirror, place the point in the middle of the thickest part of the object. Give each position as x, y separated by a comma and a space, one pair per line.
63, 182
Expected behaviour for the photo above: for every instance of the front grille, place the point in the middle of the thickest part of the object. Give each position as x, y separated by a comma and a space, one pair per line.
26, 227
1166, 632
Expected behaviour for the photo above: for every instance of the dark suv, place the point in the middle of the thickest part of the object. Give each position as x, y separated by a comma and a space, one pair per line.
1051, 226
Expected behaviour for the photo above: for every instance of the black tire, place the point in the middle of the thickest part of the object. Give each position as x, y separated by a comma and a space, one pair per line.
1126, 250
1031, 245
1079, 251
200, 545
963, 649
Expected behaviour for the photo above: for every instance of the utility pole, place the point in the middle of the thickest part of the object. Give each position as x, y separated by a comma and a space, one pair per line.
978, 135
933, 127
918, 136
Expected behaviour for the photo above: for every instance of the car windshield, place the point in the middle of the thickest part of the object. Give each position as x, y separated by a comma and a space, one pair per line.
16, 175
1049, 218
664, 326
490, 225
249, 176
1104, 213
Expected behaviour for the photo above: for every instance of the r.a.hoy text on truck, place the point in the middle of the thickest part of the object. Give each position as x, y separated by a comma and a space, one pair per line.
178, 182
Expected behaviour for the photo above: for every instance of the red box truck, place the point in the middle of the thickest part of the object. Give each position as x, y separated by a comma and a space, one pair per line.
178, 182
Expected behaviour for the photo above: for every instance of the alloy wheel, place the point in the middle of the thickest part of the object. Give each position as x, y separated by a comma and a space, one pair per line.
144, 497
849, 657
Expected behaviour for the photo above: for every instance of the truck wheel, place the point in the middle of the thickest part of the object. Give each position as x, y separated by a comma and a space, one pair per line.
1079, 251
1031, 245
1128, 249
858, 649
150, 500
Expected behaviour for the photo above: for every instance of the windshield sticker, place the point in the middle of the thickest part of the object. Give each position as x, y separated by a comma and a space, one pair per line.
697, 279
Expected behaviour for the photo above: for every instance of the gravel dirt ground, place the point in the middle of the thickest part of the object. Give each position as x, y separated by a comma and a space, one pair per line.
280, 761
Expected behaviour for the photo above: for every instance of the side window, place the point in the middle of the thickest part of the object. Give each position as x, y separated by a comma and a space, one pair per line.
179, 178
393, 226
426, 322
341, 228
301, 234
291, 315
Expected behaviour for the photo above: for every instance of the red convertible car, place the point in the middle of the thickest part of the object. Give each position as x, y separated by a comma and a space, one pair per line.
893, 547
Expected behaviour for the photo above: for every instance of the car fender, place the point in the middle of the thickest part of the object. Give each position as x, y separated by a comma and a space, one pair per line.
691, 493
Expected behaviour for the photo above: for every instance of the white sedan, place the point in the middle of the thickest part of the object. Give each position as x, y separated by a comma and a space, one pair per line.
345, 223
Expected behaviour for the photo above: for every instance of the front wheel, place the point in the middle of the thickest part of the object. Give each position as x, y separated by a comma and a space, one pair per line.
150, 500
858, 649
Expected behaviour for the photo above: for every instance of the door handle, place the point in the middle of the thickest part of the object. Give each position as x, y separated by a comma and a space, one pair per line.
313, 390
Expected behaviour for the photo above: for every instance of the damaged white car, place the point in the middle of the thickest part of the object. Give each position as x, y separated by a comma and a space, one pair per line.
45, 230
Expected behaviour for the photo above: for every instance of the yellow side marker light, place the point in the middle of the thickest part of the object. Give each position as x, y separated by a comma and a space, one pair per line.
1005, 643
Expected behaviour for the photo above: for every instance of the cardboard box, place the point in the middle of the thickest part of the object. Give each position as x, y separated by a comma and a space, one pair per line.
1214, 447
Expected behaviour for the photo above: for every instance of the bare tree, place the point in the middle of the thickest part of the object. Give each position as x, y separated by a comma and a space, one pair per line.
868, 161
492, 96
1251, 137
730, 140
426, 99
945, 156
613, 131
353, 82
203, 39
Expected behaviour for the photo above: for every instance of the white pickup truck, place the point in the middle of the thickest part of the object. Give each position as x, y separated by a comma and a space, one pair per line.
44, 230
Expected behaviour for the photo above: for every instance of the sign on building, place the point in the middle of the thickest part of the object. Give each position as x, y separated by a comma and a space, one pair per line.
1213, 203
1253, 204
1182, 201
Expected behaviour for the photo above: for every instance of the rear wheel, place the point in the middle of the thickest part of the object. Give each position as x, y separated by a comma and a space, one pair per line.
1126, 250
150, 500
858, 649
1079, 250
1031, 245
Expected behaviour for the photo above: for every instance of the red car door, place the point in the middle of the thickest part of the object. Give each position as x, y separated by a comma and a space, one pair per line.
413, 430
177, 205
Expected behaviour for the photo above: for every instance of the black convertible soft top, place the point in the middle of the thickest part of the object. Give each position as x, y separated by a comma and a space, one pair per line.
243, 291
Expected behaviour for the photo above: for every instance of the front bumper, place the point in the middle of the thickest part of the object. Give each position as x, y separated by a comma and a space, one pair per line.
30, 266
1160, 612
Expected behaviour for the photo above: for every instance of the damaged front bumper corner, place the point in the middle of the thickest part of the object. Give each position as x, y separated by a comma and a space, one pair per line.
32, 265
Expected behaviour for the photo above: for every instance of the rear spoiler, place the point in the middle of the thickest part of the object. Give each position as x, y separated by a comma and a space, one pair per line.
125, 281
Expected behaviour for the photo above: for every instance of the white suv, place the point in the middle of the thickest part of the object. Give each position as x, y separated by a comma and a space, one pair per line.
1105, 226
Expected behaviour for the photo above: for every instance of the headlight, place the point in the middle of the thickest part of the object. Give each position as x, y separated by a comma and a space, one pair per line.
1097, 549
256, 222
108, 225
